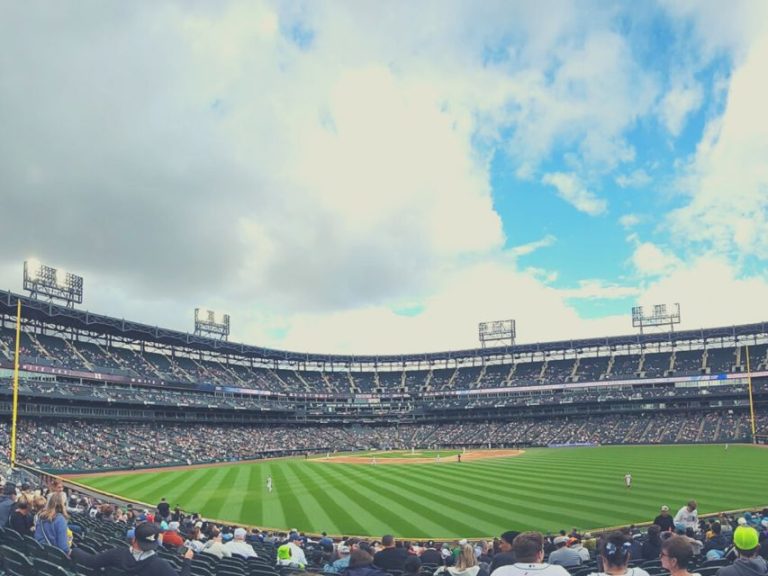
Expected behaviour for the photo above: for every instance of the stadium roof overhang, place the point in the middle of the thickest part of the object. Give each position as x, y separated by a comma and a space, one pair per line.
80, 320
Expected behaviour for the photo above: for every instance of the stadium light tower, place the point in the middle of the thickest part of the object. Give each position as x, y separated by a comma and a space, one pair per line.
53, 284
207, 323
497, 330
659, 316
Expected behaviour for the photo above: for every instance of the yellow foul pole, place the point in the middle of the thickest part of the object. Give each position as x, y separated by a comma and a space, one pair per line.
751, 403
15, 384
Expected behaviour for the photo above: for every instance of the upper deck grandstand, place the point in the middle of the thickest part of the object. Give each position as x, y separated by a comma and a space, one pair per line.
689, 386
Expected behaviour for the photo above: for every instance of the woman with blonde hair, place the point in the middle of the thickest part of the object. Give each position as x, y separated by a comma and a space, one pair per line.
466, 564
51, 523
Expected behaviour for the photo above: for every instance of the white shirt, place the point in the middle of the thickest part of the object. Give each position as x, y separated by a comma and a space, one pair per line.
628, 479
629, 572
523, 569
687, 518
240, 547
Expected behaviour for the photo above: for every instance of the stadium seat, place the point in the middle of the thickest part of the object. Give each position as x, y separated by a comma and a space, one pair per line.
45, 568
16, 563
13, 539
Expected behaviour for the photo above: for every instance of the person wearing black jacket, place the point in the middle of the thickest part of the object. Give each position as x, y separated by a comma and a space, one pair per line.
390, 558
504, 557
140, 558
431, 556
664, 520
21, 520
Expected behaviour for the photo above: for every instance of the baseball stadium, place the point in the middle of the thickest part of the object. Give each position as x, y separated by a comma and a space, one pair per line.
383, 288
424, 446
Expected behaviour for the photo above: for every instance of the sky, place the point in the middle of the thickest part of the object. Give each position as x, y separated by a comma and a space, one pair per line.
380, 177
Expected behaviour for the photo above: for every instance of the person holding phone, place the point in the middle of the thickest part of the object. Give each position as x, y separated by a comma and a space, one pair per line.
140, 558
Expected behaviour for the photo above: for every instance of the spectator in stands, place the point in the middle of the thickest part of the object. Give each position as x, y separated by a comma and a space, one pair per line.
140, 558
717, 543
361, 564
664, 520
615, 555
574, 543
528, 549
7, 503
652, 546
239, 546
505, 556
562, 555
687, 517
412, 566
291, 554
195, 540
390, 557
677, 552
431, 556
748, 562
163, 510
171, 537
484, 552
21, 520
341, 563
214, 544
466, 564
38, 503
52, 523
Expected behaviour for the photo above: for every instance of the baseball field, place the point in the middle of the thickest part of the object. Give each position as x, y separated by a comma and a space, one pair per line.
413, 495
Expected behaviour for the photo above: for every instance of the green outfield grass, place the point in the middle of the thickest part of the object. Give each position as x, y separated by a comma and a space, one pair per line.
544, 489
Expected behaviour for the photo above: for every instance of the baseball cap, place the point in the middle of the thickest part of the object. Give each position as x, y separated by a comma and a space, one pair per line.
146, 536
463, 542
745, 538
561, 540
665, 508
343, 549
742, 521
240, 532
174, 526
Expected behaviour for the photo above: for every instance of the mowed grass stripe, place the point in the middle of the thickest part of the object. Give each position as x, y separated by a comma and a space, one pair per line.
329, 513
308, 497
234, 489
251, 510
293, 507
459, 521
392, 515
487, 504
200, 485
339, 505
546, 489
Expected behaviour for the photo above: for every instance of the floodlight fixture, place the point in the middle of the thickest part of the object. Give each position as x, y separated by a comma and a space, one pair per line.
660, 315
497, 330
53, 284
208, 323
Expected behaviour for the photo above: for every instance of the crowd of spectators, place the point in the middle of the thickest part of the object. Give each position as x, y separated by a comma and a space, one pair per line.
81, 445
192, 367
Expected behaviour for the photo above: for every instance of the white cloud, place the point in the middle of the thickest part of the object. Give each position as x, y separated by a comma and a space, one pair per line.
596, 289
727, 182
629, 220
650, 260
571, 189
711, 292
636, 179
525, 249
678, 104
